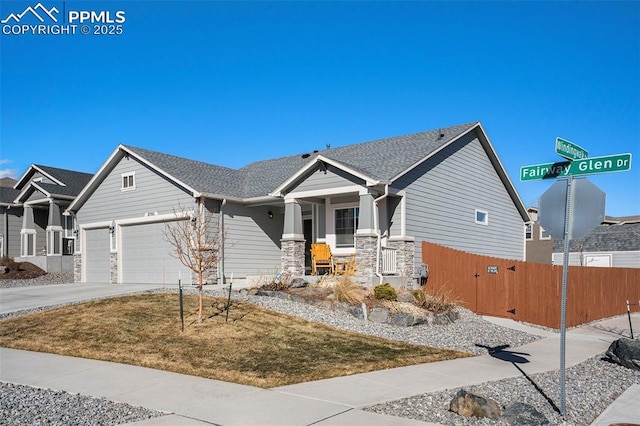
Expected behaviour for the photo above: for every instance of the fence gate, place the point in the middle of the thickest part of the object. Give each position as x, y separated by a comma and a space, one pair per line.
494, 289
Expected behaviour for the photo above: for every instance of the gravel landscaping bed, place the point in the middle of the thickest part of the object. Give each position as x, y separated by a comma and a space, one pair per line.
55, 278
26, 405
591, 386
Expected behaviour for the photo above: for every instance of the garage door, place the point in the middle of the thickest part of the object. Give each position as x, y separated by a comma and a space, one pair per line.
146, 256
96, 256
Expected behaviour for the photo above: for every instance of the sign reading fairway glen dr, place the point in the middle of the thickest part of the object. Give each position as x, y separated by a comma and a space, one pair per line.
586, 166
570, 150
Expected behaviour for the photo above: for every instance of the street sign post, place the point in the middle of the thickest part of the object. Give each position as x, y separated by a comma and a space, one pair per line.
589, 197
569, 150
586, 166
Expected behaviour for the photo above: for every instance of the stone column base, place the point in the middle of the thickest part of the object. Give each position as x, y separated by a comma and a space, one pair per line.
292, 256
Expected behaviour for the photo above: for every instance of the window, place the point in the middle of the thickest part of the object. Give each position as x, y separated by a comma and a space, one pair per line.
28, 244
54, 242
346, 225
529, 232
128, 181
482, 217
68, 227
544, 235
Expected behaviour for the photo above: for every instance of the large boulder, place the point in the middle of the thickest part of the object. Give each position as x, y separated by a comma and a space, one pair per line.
379, 315
520, 414
470, 405
625, 352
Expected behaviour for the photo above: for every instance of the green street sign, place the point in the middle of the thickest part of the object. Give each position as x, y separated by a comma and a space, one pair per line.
586, 166
569, 150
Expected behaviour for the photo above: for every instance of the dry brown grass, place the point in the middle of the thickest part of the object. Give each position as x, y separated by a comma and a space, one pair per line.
437, 299
256, 347
349, 291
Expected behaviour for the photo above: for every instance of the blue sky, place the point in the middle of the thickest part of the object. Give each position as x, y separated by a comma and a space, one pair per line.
234, 82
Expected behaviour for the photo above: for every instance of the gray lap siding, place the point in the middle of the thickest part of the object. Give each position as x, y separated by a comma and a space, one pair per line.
443, 194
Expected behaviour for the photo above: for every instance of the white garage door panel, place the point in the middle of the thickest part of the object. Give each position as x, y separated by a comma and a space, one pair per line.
96, 256
146, 256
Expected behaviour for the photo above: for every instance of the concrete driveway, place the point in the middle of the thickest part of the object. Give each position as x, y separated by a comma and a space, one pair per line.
15, 299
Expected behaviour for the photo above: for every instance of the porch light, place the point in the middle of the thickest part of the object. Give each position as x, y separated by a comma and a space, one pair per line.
270, 214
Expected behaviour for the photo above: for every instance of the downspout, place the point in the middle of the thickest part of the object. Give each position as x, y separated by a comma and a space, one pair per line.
376, 221
221, 261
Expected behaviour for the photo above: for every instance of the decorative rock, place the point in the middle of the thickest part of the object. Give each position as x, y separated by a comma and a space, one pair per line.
469, 405
625, 352
403, 319
446, 318
520, 414
379, 315
356, 311
299, 283
406, 296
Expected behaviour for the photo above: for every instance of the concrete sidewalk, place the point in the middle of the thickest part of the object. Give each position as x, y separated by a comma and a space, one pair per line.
337, 401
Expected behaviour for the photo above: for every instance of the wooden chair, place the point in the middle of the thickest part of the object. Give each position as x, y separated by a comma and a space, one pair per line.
321, 257
345, 265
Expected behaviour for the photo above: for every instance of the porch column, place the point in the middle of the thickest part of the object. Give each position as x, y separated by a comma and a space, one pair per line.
28, 233
366, 239
54, 230
292, 242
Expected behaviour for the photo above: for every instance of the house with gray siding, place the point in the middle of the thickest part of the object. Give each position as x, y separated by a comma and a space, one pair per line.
615, 243
33, 226
376, 201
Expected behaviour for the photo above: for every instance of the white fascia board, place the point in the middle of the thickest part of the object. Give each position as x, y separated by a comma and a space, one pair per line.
502, 172
321, 193
320, 158
29, 188
32, 168
194, 192
95, 180
120, 152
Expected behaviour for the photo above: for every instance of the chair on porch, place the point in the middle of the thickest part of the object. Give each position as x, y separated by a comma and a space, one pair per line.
321, 257
346, 265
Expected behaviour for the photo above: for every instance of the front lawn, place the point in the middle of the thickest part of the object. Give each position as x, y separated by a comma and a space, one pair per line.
255, 347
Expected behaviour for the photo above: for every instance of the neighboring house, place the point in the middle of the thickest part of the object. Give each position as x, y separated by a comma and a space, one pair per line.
11, 219
376, 200
33, 227
539, 242
614, 243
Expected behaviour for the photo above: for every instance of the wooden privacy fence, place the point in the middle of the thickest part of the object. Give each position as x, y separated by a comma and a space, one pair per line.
530, 292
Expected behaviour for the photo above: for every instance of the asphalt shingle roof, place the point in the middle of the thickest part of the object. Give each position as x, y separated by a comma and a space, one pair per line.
606, 238
8, 195
73, 181
381, 159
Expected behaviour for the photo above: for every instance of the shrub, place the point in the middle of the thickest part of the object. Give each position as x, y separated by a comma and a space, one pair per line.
347, 290
385, 292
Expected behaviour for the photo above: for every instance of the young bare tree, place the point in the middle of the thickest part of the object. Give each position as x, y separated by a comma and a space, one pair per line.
196, 241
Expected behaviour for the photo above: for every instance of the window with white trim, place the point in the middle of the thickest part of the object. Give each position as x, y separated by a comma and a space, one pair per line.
528, 233
28, 246
54, 242
346, 225
68, 227
482, 217
128, 181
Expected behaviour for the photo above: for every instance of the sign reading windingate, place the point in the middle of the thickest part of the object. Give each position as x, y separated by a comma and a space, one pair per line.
41, 20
